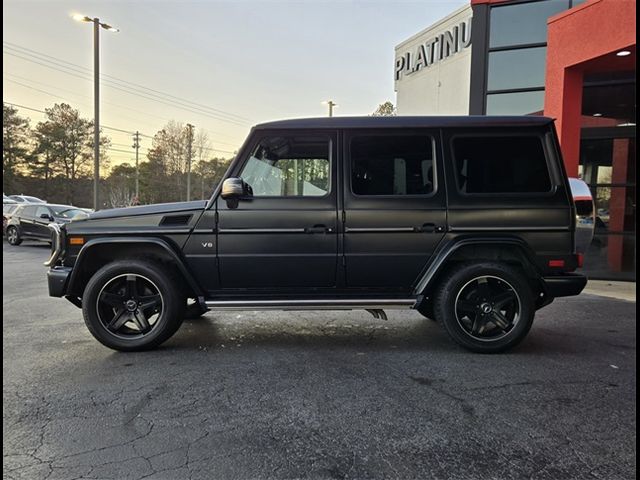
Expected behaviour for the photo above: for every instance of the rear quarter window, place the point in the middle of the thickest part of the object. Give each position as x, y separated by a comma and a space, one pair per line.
501, 164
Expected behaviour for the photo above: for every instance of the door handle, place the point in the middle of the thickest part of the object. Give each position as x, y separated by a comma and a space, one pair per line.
318, 229
430, 228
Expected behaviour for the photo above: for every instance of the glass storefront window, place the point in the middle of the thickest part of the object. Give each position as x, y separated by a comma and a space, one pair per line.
518, 103
522, 23
609, 104
522, 68
608, 165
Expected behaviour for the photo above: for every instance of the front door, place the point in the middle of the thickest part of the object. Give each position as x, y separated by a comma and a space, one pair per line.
284, 234
40, 225
394, 207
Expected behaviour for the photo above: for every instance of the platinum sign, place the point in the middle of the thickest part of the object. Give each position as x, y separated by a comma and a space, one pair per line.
436, 49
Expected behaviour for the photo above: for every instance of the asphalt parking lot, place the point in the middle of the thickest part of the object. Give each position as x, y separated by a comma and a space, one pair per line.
338, 395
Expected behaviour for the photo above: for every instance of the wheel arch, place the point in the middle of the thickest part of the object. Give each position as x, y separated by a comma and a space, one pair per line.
100, 251
506, 249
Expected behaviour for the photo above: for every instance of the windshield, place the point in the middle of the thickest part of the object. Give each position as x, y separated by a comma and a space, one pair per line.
65, 212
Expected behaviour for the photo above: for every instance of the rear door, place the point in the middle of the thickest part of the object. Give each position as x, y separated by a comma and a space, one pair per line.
284, 235
394, 206
27, 217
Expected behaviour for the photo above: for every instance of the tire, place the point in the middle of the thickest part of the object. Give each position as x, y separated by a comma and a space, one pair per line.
13, 236
193, 311
486, 307
132, 305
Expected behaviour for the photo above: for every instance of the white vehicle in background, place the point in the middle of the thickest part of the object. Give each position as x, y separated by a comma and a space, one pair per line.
26, 199
585, 214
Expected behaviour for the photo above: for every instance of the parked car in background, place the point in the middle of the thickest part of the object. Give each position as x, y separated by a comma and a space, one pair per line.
26, 199
7, 210
6, 200
30, 221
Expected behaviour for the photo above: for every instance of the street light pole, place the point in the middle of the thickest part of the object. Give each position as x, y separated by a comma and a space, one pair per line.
96, 114
96, 101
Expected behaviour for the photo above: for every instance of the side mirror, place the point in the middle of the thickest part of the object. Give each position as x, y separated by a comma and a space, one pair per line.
46, 216
234, 188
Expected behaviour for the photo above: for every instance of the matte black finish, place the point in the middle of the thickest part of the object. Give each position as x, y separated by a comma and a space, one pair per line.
475, 121
565, 285
57, 278
343, 247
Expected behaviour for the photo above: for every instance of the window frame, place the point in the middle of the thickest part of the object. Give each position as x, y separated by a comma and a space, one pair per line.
349, 162
547, 157
290, 133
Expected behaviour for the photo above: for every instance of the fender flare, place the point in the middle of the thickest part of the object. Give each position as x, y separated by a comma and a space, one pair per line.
442, 254
133, 240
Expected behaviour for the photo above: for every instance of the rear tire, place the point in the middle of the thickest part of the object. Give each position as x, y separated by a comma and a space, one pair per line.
486, 307
132, 305
13, 236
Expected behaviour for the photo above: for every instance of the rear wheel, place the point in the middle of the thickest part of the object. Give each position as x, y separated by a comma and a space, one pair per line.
485, 307
132, 306
13, 236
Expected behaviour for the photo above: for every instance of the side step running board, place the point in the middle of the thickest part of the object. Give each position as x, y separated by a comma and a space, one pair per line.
336, 304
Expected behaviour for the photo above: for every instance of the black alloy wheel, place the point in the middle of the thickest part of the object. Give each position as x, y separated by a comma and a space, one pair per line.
486, 307
133, 305
129, 305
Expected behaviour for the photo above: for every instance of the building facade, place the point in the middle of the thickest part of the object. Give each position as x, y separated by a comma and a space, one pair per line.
573, 60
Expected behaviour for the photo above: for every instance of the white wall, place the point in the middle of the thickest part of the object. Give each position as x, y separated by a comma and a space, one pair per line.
442, 87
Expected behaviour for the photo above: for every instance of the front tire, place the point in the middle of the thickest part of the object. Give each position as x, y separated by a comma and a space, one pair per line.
132, 305
486, 307
13, 236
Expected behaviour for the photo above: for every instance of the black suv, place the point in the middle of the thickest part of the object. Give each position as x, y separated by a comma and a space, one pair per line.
469, 220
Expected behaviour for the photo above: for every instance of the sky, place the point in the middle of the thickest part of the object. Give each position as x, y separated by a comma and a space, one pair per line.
222, 66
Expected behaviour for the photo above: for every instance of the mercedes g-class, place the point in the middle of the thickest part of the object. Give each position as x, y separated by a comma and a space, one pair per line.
468, 220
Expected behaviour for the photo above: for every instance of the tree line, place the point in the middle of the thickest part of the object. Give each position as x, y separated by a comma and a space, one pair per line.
54, 160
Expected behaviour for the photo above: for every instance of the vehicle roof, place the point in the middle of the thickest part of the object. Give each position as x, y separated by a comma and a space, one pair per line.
55, 205
409, 122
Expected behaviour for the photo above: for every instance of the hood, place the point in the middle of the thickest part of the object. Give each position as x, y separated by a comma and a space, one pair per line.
148, 209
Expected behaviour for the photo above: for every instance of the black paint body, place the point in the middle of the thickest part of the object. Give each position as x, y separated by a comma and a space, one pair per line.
343, 245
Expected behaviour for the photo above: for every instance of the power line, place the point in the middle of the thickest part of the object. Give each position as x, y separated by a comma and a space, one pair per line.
117, 129
123, 85
135, 92
57, 96
74, 66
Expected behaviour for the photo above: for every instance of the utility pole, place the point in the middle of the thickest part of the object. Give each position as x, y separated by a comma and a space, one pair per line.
136, 145
189, 150
331, 104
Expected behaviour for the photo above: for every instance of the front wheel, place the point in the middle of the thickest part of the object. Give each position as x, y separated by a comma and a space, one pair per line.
486, 307
13, 236
132, 305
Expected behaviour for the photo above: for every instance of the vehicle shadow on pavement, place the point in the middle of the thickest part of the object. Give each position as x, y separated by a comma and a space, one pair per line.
309, 330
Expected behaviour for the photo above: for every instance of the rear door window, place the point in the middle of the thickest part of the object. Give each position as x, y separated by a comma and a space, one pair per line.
392, 165
27, 212
501, 165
